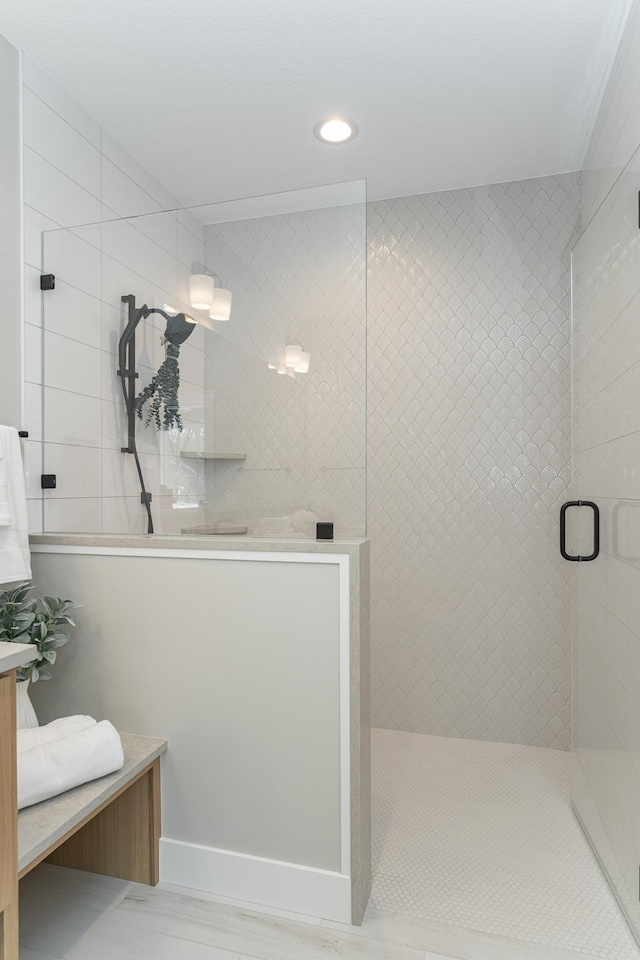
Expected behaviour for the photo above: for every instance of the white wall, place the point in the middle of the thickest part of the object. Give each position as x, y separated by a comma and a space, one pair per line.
75, 173
615, 134
10, 231
607, 466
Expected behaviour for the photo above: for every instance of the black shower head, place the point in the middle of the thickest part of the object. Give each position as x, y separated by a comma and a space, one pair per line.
179, 328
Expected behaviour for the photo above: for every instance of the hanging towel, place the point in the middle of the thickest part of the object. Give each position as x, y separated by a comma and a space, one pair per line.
5, 510
54, 767
15, 559
30, 737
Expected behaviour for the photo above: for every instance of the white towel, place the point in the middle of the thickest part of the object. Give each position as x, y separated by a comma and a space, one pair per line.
5, 510
64, 763
15, 559
30, 737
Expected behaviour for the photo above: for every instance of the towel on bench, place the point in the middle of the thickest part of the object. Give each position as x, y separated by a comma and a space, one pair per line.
71, 759
28, 737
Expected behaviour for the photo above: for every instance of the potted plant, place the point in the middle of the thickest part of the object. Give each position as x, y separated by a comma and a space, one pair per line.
25, 619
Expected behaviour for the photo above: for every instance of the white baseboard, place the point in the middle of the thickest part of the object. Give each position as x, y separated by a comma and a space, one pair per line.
287, 886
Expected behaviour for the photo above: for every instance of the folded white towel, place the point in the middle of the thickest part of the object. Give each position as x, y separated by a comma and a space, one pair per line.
15, 559
51, 768
30, 737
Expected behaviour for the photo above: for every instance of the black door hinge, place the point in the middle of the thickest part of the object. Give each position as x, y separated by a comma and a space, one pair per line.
47, 281
48, 481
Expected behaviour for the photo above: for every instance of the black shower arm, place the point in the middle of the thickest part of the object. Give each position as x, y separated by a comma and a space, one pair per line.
135, 316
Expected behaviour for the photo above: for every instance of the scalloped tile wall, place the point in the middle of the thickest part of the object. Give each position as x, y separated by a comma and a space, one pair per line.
469, 434
469, 458
296, 278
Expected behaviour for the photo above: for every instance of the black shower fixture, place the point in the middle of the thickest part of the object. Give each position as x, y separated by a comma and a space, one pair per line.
163, 389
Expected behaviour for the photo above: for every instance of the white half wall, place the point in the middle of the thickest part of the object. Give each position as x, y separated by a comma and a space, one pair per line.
242, 662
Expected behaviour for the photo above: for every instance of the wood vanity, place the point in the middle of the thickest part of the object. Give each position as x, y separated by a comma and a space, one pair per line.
12, 656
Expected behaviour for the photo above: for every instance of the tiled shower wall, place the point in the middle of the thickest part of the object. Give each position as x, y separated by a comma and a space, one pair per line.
299, 279
469, 459
469, 437
75, 173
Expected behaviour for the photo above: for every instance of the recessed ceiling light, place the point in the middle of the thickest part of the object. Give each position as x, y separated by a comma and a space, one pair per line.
336, 130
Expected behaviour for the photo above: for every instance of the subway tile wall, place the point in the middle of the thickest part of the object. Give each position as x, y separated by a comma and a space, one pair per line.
76, 176
606, 592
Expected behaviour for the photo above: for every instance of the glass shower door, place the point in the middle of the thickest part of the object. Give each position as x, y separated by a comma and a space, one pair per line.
606, 592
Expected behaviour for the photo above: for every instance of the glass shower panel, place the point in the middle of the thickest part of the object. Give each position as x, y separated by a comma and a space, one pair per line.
86, 423
606, 591
245, 418
286, 391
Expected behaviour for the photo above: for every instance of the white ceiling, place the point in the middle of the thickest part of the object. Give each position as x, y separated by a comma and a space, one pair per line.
218, 99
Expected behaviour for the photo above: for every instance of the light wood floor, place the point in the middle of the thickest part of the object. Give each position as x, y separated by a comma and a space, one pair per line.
68, 915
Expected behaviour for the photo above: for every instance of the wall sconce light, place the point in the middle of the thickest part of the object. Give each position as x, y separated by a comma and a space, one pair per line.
221, 304
295, 359
292, 354
205, 322
303, 365
201, 291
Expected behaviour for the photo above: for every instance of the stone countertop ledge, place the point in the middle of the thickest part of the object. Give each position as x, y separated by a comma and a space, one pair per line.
158, 541
14, 655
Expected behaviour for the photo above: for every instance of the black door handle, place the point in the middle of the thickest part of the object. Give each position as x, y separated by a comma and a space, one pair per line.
563, 529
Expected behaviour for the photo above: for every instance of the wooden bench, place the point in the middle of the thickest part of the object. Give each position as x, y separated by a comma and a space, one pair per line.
109, 826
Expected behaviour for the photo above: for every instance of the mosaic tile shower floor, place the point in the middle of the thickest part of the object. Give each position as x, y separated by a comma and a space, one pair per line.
482, 835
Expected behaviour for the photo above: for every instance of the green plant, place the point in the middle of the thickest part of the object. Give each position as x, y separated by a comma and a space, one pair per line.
25, 619
163, 391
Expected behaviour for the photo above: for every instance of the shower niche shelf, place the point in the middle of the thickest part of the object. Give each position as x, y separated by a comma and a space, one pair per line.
217, 530
211, 455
